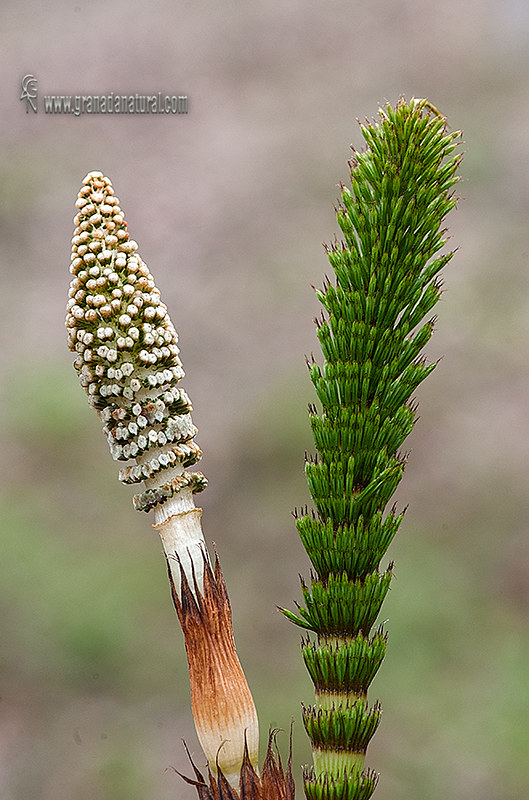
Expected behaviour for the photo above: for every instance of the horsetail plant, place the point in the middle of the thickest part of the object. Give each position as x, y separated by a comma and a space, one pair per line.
372, 333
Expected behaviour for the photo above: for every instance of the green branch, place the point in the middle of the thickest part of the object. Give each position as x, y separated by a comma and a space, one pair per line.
371, 332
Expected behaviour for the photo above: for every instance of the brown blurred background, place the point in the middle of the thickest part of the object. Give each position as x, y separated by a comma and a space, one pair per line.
230, 205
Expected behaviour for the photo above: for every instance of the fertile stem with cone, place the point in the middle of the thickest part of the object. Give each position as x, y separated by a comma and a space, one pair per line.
371, 332
127, 360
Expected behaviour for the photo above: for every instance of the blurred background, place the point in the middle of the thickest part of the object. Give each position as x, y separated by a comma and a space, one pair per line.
230, 205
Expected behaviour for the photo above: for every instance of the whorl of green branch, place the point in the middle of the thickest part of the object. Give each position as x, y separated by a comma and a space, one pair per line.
372, 331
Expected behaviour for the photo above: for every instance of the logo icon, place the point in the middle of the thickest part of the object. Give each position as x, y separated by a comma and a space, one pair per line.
29, 92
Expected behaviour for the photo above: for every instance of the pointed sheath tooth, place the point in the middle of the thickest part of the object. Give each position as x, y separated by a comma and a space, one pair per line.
183, 543
275, 782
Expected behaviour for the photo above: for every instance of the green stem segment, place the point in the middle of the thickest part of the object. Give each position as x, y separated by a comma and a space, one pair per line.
372, 331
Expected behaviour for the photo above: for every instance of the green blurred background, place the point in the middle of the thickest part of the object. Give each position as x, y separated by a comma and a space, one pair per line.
230, 205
